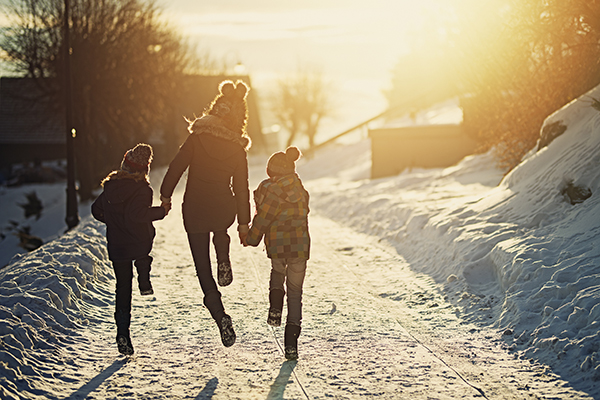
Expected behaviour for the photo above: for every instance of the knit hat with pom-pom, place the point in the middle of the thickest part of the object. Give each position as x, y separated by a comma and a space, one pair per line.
281, 163
137, 159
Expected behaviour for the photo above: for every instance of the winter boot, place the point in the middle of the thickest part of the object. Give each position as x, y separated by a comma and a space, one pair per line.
291, 341
145, 288
227, 332
275, 307
123, 319
224, 273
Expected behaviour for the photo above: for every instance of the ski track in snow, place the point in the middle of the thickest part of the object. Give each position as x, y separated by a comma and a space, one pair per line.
372, 328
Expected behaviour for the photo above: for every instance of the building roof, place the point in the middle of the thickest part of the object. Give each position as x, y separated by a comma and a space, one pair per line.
27, 115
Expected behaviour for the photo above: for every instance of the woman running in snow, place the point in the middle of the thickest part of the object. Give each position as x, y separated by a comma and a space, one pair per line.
282, 218
216, 191
125, 206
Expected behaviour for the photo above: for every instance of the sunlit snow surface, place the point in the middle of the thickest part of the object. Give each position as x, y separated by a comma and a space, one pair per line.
525, 257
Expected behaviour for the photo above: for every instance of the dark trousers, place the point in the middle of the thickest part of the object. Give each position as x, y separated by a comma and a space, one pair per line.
221, 242
124, 276
200, 247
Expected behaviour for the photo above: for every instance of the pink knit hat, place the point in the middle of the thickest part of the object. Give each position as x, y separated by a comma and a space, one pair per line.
137, 159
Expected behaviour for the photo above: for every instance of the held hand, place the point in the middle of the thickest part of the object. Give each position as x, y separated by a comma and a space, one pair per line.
243, 233
167, 207
243, 236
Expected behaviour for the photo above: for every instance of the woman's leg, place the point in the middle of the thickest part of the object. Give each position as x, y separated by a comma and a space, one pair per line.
199, 245
221, 241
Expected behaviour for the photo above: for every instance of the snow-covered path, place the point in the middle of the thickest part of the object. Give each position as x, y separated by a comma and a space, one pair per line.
371, 329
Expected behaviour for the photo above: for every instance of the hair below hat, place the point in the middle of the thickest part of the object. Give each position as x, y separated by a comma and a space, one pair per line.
281, 163
137, 159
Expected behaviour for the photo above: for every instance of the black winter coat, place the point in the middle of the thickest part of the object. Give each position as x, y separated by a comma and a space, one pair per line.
217, 183
125, 206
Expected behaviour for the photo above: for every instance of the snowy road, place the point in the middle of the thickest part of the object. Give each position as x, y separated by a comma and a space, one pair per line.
371, 329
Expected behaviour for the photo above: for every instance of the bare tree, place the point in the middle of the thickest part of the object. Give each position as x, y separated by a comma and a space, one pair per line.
549, 55
301, 102
126, 66
512, 62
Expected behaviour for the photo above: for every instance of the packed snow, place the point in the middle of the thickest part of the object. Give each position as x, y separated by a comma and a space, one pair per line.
510, 254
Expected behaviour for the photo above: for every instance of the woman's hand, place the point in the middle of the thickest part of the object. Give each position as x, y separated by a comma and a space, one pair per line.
243, 233
167, 207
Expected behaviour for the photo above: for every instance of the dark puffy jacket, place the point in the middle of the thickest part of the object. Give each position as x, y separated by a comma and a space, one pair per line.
125, 206
217, 183
281, 217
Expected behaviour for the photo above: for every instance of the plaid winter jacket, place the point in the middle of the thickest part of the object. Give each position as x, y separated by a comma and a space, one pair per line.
282, 217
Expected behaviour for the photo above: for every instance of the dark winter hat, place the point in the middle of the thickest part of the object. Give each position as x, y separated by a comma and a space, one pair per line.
281, 163
137, 159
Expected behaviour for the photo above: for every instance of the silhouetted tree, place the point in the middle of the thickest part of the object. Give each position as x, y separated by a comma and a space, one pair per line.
546, 54
301, 102
126, 66
512, 62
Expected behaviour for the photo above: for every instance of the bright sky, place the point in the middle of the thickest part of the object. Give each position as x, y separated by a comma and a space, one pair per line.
355, 42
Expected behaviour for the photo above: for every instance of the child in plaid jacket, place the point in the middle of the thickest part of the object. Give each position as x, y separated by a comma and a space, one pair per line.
282, 218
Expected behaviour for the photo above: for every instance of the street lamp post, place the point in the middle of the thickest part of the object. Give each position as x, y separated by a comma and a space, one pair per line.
72, 218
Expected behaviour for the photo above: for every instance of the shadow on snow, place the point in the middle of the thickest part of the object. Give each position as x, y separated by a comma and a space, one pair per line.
282, 380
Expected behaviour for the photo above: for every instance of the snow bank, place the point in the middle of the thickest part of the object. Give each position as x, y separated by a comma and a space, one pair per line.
513, 253
46, 297
49, 225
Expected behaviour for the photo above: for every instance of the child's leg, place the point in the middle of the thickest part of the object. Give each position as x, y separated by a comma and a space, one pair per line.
276, 291
296, 270
143, 266
124, 276
221, 241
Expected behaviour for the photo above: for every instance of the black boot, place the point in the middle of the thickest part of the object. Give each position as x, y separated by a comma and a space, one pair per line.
226, 330
275, 307
123, 319
224, 273
291, 341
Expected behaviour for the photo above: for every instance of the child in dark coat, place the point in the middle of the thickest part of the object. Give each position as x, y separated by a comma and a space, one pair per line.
282, 218
125, 206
